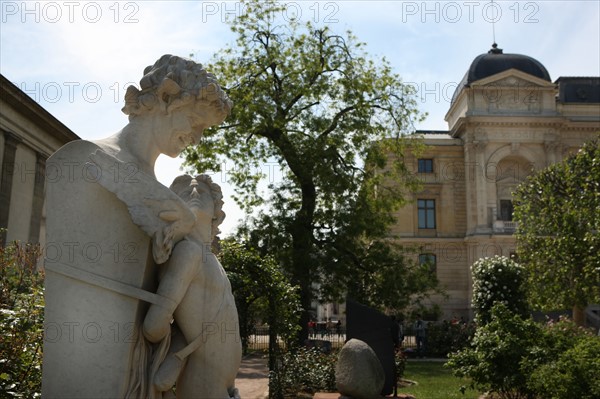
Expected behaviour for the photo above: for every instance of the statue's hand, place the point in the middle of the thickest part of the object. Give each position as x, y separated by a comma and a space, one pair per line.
164, 240
153, 207
161, 247
179, 221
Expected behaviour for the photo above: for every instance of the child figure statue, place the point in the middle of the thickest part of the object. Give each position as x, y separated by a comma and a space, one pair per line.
205, 350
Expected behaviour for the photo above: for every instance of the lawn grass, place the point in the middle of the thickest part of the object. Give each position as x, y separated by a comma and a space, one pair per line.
434, 382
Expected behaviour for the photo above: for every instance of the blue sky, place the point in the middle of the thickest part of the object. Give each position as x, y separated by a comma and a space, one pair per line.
77, 58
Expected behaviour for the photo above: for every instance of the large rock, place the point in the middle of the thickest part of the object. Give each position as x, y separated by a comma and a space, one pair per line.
359, 374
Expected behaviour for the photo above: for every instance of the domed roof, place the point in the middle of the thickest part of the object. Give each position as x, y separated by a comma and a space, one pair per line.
495, 61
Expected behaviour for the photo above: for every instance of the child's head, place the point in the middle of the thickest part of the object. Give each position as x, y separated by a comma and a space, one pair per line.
203, 196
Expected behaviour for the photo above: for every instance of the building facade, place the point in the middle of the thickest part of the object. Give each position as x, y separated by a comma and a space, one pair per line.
507, 119
28, 136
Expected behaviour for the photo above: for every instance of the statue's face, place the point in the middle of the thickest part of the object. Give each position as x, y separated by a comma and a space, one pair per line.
181, 128
200, 200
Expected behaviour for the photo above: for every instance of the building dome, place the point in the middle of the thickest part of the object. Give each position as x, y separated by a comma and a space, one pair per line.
495, 61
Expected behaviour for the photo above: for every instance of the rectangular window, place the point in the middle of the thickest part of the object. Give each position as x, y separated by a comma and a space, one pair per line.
425, 166
428, 260
426, 213
506, 210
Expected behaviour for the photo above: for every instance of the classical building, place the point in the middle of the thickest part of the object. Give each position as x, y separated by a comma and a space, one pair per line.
29, 135
507, 119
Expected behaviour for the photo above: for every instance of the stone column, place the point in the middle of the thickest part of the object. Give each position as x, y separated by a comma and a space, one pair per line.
475, 181
481, 185
38, 198
11, 141
470, 177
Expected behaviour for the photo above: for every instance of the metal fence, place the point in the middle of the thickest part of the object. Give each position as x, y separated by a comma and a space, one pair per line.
440, 338
259, 340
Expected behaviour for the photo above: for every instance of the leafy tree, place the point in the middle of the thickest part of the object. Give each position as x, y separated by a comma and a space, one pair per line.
377, 273
557, 237
313, 102
261, 291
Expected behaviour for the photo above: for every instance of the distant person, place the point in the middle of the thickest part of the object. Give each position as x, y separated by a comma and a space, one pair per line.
312, 325
419, 328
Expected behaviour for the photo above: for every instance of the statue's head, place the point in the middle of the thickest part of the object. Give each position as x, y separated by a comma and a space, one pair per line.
173, 83
195, 190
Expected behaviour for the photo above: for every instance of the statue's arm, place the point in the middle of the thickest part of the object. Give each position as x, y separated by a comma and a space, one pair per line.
153, 207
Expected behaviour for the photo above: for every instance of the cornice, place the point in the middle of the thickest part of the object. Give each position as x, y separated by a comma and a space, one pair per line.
32, 111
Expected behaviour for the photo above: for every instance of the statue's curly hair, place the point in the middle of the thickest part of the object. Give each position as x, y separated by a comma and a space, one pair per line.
182, 182
173, 82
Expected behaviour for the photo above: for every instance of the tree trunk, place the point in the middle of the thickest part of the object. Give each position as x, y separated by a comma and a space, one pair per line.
301, 275
302, 255
302, 227
579, 315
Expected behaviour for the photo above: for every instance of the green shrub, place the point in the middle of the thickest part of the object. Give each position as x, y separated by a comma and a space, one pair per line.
493, 360
498, 280
21, 321
518, 358
556, 339
303, 370
565, 363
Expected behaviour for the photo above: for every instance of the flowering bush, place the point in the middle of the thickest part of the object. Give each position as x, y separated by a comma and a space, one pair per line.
498, 280
21, 321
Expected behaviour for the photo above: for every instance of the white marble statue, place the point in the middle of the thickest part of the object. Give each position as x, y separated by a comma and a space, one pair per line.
205, 313
110, 226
